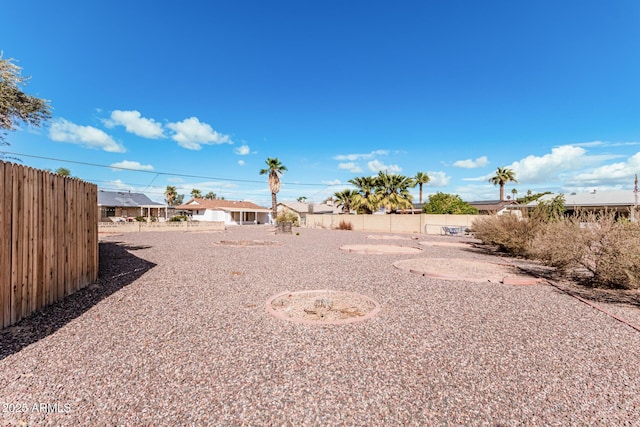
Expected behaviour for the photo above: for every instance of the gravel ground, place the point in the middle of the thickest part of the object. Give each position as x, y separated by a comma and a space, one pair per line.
175, 332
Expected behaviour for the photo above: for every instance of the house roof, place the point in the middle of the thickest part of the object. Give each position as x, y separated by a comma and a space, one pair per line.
223, 205
492, 205
593, 199
125, 199
318, 208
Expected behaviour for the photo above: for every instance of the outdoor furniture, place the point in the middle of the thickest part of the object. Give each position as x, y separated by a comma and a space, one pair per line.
453, 231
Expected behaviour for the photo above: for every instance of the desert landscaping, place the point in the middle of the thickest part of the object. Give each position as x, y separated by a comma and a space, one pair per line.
181, 329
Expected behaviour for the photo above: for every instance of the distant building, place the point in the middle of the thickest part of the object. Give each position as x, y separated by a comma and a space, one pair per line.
126, 206
622, 202
230, 212
302, 209
493, 207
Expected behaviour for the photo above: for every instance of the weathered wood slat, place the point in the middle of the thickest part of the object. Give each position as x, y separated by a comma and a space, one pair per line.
6, 203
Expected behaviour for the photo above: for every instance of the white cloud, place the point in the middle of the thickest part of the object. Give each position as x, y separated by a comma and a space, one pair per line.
551, 166
175, 179
136, 124
334, 182
350, 166
243, 150
615, 173
192, 134
471, 164
438, 179
119, 185
540, 168
605, 144
353, 157
127, 164
377, 165
241, 162
87, 136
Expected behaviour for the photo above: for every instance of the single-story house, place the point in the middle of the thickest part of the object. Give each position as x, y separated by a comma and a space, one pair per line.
231, 212
494, 207
301, 209
622, 202
125, 205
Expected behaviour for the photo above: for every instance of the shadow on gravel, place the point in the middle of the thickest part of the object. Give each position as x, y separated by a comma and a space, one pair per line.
118, 268
576, 284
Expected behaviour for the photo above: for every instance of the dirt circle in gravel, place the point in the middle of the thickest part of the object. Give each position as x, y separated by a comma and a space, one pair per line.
380, 249
464, 269
248, 243
389, 237
446, 244
322, 307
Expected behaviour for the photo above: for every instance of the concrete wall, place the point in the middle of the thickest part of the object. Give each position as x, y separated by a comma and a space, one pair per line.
125, 227
395, 223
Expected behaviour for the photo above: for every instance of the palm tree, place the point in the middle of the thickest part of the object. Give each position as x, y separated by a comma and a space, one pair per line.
302, 199
274, 170
170, 195
419, 179
345, 198
393, 191
196, 194
366, 201
514, 192
210, 196
63, 171
502, 176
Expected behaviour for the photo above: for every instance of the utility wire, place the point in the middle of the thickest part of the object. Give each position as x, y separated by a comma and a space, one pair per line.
181, 175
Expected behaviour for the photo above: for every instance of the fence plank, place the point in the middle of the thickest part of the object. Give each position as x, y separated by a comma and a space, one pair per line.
26, 242
16, 235
6, 187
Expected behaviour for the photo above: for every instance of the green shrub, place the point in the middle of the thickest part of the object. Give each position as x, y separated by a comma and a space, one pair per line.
178, 218
287, 216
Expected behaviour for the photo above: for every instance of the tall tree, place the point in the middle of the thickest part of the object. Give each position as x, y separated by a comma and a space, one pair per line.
346, 199
196, 194
366, 201
16, 106
274, 169
420, 179
443, 203
393, 191
170, 195
514, 193
211, 195
502, 176
302, 199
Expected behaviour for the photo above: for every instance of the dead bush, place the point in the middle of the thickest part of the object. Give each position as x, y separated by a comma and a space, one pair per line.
608, 249
559, 244
508, 232
345, 225
617, 259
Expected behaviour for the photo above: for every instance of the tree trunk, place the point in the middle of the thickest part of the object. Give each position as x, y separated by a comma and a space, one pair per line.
501, 192
274, 207
420, 193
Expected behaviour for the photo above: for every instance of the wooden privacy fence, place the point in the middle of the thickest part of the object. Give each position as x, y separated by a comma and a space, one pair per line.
48, 239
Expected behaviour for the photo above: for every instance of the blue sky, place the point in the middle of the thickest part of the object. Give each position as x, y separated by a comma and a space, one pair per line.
199, 94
